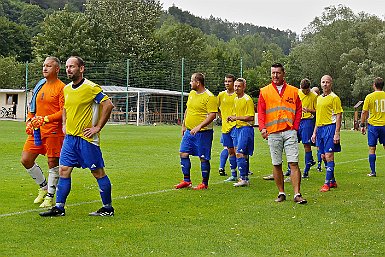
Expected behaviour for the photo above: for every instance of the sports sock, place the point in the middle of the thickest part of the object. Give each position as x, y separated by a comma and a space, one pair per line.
242, 167
329, 171
37, 174
185, 164
372, 163
308, 161
223, 158
53, 177
105, 190
205, 168
233, 165
63, 190
319, 159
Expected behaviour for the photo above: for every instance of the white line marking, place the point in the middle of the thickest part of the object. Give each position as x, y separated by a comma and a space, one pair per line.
139, 195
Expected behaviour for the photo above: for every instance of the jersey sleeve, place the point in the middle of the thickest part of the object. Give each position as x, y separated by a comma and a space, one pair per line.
212, 105
366, 103
99, 95
250, 108
337, 107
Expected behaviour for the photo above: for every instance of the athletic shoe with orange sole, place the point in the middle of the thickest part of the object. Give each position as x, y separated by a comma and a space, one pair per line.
183, 184
325, 188
201, 186
333, 184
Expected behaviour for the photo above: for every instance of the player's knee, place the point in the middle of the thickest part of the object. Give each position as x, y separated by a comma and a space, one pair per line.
98, 173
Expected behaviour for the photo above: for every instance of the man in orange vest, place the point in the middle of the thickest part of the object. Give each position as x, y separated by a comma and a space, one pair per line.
279, 116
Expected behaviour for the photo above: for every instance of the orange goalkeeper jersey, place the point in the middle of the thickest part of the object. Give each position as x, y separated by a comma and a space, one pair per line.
50, 102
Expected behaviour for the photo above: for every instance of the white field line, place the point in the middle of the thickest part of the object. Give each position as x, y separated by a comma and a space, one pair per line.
141, 194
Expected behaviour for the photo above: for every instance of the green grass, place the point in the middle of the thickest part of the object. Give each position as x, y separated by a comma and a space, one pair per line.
154, 220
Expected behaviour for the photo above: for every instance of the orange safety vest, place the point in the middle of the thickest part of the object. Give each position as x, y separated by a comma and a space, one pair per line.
280, 110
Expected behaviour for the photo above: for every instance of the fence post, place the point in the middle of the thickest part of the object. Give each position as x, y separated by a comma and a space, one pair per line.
181, 99
26, 92
127, 85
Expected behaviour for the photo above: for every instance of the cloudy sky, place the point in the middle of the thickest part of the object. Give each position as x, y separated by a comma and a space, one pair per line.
282, 14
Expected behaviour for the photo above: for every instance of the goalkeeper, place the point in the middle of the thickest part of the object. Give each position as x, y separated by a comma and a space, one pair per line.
45, 116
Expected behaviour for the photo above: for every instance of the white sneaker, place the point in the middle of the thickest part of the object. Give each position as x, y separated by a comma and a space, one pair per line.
48, 202
242, 183
40, 197
288, 179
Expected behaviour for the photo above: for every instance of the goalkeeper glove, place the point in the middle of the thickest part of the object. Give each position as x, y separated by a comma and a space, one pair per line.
29, 128
39, 121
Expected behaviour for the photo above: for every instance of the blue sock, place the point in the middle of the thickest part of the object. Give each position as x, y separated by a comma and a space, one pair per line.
185, 163
205, 168
62, 192
233, 165
223, 158
372, 163
242, 167
105, 190
308, 161
329, 172
319, 159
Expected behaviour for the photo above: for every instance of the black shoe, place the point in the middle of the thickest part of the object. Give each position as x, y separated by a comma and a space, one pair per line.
103, 212
222, 172
250, 173
280, 198
299, 199
288, 172
312, 163
305, 175
53, 212
319, 169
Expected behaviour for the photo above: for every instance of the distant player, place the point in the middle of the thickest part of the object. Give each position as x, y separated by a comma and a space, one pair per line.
327, 130
45, 115
319, 157
228, 138
86, 111
197, 131
374, 107
244, 118
306, 126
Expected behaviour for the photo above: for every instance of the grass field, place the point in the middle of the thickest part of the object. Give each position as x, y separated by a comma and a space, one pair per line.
152, 219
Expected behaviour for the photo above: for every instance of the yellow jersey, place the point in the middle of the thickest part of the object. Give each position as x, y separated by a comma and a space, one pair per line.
244, 106
309, 101
82, 108
198, 107
375, 104
226, 107
327, 108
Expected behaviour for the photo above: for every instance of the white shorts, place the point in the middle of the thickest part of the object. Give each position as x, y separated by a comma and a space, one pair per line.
285, 140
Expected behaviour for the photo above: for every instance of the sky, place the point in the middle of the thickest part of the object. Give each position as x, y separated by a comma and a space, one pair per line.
278, 14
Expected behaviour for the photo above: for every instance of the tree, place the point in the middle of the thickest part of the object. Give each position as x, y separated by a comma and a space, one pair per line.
11, 73
14, 40
64, 34
125, 27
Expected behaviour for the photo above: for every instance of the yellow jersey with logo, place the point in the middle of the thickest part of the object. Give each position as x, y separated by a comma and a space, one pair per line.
244, 106
81, 105
226, 107
199, 105
327, 109
309, 101
375, 104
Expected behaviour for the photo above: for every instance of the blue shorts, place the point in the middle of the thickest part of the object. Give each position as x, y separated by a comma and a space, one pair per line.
305, 131
325, 139
245, 140
197, 145
376, 133
229, 139
77, 152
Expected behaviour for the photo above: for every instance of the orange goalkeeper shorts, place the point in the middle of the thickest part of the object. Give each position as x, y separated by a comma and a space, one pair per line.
51, 146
